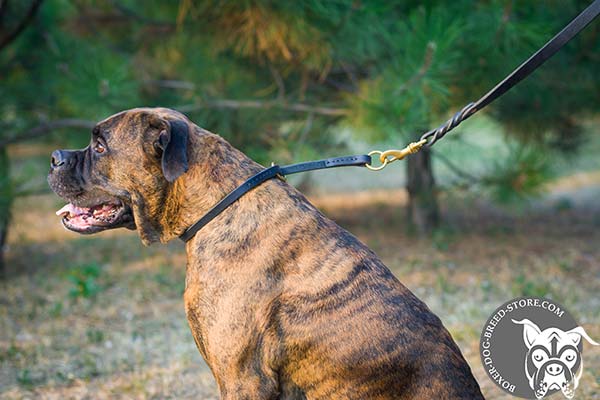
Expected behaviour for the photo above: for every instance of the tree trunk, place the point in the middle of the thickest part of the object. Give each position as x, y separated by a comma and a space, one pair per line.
5, 203
423, 212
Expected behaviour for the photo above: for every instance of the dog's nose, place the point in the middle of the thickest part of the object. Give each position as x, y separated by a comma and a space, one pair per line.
554, 369
58, 159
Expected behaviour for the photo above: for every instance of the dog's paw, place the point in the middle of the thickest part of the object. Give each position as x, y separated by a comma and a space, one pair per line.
541, 391
568, 389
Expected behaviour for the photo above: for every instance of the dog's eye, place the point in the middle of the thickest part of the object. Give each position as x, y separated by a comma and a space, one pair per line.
99, 147
538, 355
569, 355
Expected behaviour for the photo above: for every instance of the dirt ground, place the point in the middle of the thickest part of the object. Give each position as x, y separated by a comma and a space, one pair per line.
102, 317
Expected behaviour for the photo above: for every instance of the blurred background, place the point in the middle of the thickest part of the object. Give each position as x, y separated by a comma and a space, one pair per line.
506, 205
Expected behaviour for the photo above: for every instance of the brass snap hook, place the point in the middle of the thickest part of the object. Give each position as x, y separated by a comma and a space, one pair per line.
389, 156
384, 161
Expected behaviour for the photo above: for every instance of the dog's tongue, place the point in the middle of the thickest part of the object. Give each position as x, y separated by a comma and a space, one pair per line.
72, 210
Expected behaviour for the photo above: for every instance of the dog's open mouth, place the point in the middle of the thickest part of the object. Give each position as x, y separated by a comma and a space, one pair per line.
96, 218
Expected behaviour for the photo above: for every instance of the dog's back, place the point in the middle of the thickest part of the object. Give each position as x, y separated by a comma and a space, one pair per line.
352, 330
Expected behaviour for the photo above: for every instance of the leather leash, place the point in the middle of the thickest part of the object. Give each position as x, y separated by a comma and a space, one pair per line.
536, 60
429, 138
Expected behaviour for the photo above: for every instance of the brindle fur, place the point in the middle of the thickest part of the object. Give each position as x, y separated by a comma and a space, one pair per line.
281, 301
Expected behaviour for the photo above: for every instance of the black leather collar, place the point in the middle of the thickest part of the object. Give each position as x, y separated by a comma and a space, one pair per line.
271, 172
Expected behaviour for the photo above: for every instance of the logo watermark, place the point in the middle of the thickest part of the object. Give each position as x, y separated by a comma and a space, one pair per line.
531, 347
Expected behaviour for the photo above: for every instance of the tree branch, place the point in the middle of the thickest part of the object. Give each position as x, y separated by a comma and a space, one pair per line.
306, 129
132, 14
427, 61
278, 81
456, 170
171, 84
46, 128
239, 104
5, 41
265, 105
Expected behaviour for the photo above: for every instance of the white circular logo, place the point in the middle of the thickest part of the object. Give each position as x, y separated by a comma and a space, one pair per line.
531, 347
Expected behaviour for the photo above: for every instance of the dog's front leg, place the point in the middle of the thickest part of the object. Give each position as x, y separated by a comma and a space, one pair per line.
250, 386
245, 371
243, 377
238, 348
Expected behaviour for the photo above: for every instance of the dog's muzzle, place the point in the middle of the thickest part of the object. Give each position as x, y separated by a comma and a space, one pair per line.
90, 208
554, 375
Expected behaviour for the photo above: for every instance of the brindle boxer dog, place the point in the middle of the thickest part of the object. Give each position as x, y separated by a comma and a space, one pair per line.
282, 302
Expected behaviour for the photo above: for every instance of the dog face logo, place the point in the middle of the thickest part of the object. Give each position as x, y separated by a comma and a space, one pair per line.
553, 361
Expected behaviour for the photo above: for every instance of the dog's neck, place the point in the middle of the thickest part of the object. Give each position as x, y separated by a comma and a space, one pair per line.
215, 169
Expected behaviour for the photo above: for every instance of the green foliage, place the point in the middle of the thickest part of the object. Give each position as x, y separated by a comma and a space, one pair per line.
85, 281
399, 67
24, 378
443, 56
523, 286
442, 238
444, 285
392, 69
169, 282
413, 86
95, 336
519, 175
13, 352
56, 309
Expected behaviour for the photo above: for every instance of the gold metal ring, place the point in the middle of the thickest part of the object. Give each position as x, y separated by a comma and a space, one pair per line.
383, 163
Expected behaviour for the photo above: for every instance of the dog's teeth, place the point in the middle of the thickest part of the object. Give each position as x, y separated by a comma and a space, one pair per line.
65, 210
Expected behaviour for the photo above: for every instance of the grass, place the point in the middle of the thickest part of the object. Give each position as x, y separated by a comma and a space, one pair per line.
102, 317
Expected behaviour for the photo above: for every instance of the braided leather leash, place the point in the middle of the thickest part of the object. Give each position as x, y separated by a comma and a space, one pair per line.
536, 60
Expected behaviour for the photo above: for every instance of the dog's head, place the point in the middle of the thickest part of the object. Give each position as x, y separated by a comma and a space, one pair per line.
553, 361
122, 178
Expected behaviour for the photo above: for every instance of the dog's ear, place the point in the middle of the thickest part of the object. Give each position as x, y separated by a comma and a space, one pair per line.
172, 143
576, 334
530, 331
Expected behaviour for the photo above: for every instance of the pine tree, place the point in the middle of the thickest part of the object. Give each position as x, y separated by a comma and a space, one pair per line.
277, 78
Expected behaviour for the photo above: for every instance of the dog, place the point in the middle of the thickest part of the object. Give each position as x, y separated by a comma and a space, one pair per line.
282, 302
553, 361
